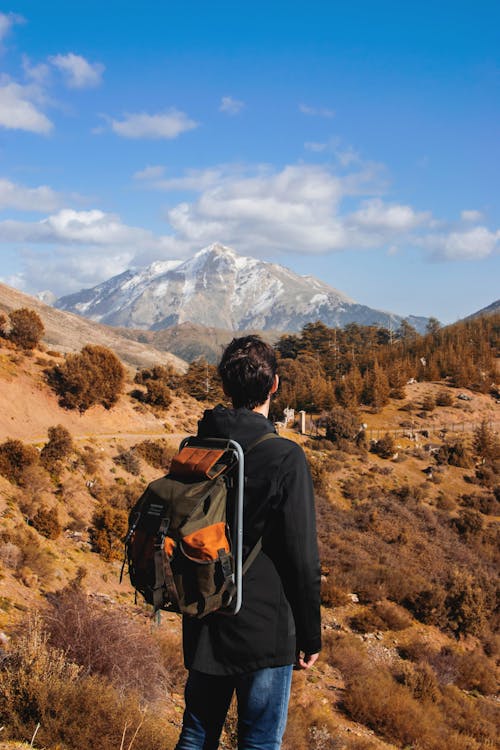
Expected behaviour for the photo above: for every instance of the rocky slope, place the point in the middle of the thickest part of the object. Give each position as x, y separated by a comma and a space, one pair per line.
67, 332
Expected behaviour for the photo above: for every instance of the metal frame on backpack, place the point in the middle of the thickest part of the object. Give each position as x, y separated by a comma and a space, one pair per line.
237, 531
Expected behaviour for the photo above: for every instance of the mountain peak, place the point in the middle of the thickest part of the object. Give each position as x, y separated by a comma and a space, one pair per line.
217, 287
216, 248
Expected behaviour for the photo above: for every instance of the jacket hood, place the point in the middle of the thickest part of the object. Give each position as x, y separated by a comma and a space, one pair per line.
242, 425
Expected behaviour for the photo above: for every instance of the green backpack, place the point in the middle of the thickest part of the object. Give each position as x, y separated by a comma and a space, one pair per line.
184, 542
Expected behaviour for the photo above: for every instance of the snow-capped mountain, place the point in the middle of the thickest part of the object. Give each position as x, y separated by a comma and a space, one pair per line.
219, 288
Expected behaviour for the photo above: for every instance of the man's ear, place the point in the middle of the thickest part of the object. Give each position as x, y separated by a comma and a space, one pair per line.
275, 384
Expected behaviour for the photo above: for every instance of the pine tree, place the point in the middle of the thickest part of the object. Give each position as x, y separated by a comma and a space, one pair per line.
486, 442
376, 389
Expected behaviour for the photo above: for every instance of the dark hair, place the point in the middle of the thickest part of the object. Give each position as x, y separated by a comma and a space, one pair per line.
247, 371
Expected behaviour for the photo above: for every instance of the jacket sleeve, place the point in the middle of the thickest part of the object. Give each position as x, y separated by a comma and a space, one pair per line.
297, 556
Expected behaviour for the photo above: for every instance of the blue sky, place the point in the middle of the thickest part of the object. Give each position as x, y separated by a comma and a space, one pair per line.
355, 142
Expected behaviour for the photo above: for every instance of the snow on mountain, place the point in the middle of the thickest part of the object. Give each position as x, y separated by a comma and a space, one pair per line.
219, 288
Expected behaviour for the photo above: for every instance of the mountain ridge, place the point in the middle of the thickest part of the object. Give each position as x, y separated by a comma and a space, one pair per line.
219, 288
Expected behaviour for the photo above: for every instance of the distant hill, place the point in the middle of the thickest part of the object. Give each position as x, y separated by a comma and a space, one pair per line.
489, 310
220, 289
67, 332
192, 340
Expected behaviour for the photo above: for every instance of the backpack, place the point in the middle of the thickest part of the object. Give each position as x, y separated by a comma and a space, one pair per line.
183, 549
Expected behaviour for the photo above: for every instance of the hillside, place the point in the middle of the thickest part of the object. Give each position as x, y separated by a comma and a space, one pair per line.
404, 663
68, 333
192, 340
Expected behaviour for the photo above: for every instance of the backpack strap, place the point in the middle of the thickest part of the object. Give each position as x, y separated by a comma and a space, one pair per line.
259, 440
252, 555
163, 571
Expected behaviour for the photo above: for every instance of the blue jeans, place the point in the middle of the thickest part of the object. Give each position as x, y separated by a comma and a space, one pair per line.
262, 709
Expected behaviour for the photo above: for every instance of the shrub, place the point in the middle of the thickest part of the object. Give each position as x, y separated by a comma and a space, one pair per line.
46, 522
331, 594
469, 523
444, 398
15, 457
58, 448
129, 461
90, 459
487, 504
32, 561
108, 530
94, 376
105, 642
39, 685
26, 328
384, 447
374, 698
428, 403
421, 681
164, 373
158, 393
156, 453
393, 616
3, 325
341, 426
367, 621
454, 454
465, 605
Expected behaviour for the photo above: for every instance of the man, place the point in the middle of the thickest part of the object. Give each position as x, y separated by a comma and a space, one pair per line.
253, 652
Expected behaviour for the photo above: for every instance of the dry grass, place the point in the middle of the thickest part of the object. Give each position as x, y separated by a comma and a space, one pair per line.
38, 685
105, 641
409, 706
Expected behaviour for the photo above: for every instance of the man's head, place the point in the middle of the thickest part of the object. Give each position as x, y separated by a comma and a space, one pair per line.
248, 371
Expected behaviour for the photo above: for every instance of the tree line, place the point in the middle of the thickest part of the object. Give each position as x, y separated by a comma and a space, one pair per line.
321, 366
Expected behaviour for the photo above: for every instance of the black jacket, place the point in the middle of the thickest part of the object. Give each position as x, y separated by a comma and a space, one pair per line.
281, 600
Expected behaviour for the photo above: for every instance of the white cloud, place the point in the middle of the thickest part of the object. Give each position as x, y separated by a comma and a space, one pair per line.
316, 111
62, 271
7, 21
231, 106
72, 249
78, 72
17, 111
194, 180
150, 173
345, 154
315, 147
293, 209
471, 244
471, 215
92, 227
376, 215
22, 198
142, 125
38, 73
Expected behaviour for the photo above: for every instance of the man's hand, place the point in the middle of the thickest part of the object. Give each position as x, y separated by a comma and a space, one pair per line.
305, 661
